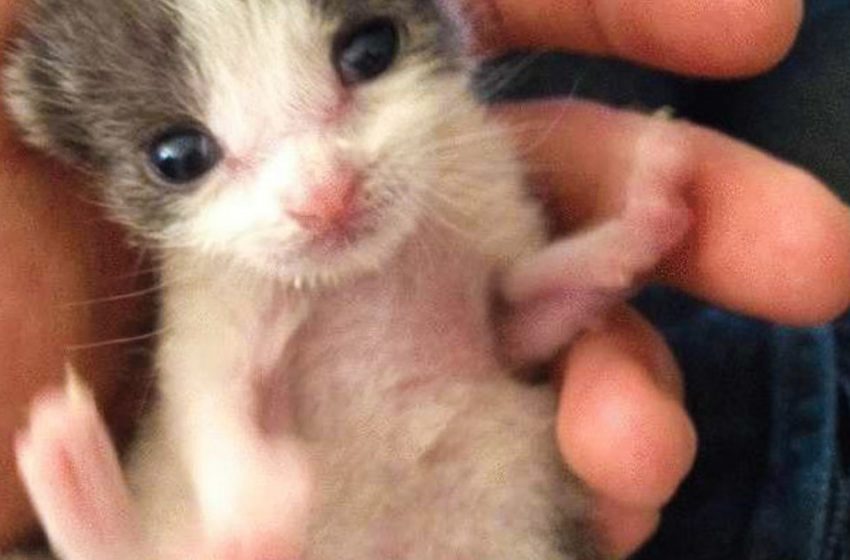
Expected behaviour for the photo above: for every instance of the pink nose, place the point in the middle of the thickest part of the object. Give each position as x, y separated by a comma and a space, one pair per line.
328, 204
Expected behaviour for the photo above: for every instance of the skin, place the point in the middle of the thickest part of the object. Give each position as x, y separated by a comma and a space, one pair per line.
625, 430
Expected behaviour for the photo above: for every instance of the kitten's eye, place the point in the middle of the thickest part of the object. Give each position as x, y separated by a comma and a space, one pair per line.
184, 153
366, 51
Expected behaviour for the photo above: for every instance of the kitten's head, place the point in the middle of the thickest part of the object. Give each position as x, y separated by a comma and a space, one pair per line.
304, 137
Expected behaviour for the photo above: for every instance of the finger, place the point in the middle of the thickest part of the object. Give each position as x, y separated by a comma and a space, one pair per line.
622, 420
700, 37
622, 427
768, 240
772, 240
622, 529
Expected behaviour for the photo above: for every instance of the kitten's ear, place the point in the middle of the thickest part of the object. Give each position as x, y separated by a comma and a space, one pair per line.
45, 72
41, 83
21, 97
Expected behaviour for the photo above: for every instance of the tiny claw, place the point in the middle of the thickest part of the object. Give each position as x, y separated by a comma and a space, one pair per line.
79, 394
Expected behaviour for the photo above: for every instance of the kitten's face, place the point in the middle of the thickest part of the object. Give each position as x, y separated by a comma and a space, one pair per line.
299, 136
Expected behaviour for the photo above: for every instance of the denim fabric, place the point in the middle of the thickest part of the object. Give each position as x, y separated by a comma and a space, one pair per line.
772, 479
815, 9
803, 511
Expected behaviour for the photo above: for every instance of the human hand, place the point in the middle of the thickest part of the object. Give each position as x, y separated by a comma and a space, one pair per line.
55, 249
636, 403
623, 428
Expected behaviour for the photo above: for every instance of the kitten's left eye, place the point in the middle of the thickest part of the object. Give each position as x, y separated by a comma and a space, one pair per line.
366, 51
183, 154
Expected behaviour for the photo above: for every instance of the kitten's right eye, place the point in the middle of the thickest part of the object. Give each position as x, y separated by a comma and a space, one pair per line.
183, 154
367, 51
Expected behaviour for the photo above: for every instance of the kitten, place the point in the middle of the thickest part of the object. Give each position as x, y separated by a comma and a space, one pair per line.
335, 216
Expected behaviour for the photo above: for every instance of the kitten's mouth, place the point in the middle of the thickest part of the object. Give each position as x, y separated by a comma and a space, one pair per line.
344, 232
337, 239
359, 244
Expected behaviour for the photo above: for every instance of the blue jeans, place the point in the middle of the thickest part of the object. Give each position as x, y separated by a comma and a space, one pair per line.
772, 407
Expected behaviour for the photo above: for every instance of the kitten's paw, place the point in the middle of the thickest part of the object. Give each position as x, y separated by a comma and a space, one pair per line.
655, 228
610, 257
259, 509
71, 471
568, 285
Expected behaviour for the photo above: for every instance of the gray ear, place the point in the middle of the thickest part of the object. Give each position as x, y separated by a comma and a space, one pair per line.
40, 87
20, 95
85, 77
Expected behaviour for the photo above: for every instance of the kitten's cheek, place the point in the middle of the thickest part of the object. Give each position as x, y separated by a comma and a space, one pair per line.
622, 428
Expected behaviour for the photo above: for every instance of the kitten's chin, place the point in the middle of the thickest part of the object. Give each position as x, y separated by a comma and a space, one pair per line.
333, 260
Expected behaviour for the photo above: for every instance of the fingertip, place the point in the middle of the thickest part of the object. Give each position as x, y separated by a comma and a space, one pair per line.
695, 37
621, 530
625, 441
623, 428
768, 35
712, 39
769, 239
813, 242
772, 241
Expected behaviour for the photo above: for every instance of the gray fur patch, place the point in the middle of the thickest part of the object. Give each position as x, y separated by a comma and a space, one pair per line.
95, 80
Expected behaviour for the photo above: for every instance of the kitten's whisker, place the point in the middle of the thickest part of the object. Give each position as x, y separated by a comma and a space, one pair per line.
114, 341
499, 79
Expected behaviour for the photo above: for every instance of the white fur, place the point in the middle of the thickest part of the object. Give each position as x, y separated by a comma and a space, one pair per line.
230, 328
437, 174
449, 205
268, 99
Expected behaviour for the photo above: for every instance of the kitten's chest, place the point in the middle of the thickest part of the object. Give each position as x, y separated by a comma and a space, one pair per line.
392, 342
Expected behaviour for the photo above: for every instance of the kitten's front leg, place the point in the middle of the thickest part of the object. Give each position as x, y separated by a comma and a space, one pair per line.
223, 339
569, 284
